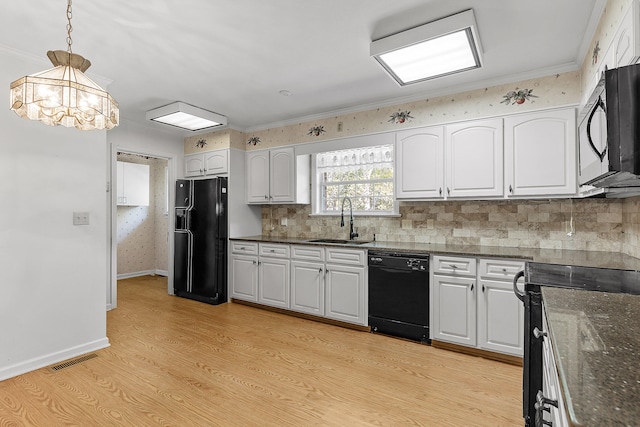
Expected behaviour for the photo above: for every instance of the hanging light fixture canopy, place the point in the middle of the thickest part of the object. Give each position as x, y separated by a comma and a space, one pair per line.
63, 95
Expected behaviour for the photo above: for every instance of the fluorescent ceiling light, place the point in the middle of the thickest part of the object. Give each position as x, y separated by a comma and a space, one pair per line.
439, 48
186, 116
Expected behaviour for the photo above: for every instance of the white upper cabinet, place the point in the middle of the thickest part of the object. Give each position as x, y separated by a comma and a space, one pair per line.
474, 163
282, 175
132, 184
626, 42
540, 154
277, 176
419, 163
208, 163
258, 177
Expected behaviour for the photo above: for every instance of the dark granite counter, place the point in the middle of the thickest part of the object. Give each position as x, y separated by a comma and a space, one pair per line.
596, 338
540, 256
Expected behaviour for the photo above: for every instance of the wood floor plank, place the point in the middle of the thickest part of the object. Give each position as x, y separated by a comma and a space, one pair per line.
177, 362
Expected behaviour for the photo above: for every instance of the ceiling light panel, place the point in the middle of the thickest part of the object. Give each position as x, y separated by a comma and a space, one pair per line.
439, 48
186, 116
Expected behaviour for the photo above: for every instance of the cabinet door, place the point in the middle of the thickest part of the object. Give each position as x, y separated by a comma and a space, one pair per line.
626, 42
540, 153
244, 277
193, 165
258, 177
454, 310
307, 287
420, 163
282, 176
216, 162
273, 282
133, 184
474, 159
120, 183
500, 318
345, 298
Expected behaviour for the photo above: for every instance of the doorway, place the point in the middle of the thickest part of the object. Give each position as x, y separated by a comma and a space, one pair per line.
141, 235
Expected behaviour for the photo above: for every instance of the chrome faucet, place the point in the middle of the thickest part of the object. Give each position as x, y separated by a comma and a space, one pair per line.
352, 234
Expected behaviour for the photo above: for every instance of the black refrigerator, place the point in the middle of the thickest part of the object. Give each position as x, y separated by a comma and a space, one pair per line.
200, 261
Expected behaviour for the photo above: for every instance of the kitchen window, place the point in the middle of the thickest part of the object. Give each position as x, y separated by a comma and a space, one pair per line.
365, 175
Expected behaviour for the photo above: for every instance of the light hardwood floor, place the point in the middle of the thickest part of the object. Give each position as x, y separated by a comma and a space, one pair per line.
177, 362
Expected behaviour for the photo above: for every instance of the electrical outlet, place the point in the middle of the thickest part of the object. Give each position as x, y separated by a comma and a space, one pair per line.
283, 222
81, 218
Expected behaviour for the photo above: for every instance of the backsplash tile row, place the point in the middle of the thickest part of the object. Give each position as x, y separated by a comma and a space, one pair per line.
598, 224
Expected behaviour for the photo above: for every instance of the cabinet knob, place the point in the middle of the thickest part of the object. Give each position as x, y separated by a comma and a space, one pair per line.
320, 270
266, 197
272, 251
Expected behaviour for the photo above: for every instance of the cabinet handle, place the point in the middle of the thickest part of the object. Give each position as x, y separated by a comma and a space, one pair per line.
504, 270
453, 266
254, 262
482, 288
266, 197
272, 251
510, 189
448, 191
320, 270
440, 191
200, 170
472, 286
538, 333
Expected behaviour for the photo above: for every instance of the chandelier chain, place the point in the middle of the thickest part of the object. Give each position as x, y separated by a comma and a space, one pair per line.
69, 27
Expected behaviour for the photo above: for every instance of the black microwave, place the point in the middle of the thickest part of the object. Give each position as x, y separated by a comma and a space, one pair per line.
609, 131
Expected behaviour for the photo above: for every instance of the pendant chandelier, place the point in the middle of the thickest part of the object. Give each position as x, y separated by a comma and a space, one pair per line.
63, 95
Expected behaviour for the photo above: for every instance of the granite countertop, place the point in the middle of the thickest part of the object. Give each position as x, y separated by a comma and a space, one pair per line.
540, 256
596, 339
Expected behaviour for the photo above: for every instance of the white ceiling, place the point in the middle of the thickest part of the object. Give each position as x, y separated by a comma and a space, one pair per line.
234, 56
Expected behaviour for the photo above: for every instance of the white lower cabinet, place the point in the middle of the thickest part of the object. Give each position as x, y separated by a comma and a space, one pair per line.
555, 415
244, 277
307, 290
345, 293
273, 280
260, 273
325, 282
473, 304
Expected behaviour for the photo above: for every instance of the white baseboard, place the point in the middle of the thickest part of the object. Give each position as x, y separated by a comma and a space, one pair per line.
143, 273
50, 359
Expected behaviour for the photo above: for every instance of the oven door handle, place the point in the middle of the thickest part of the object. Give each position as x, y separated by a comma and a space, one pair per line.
516, 291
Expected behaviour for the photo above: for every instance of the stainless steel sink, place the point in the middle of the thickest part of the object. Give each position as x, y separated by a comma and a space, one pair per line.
339, 241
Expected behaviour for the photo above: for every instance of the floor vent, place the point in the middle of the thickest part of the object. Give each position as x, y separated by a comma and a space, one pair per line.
70, 363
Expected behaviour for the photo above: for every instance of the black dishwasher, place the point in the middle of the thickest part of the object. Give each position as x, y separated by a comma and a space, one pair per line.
399, 295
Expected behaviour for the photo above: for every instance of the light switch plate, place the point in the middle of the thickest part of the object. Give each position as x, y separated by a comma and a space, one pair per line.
81, 218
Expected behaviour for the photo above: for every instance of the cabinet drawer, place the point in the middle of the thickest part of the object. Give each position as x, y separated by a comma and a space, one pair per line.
244, 248
345, 256
274, 250
308, 253
456, 266
500, 269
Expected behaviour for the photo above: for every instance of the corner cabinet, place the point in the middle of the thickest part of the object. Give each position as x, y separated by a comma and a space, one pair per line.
208, 163
277, 176
540, 154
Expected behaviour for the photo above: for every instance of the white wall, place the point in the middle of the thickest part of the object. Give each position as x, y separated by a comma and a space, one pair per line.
52, 274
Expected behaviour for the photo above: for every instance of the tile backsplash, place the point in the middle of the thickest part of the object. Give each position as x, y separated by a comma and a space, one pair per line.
598, 224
